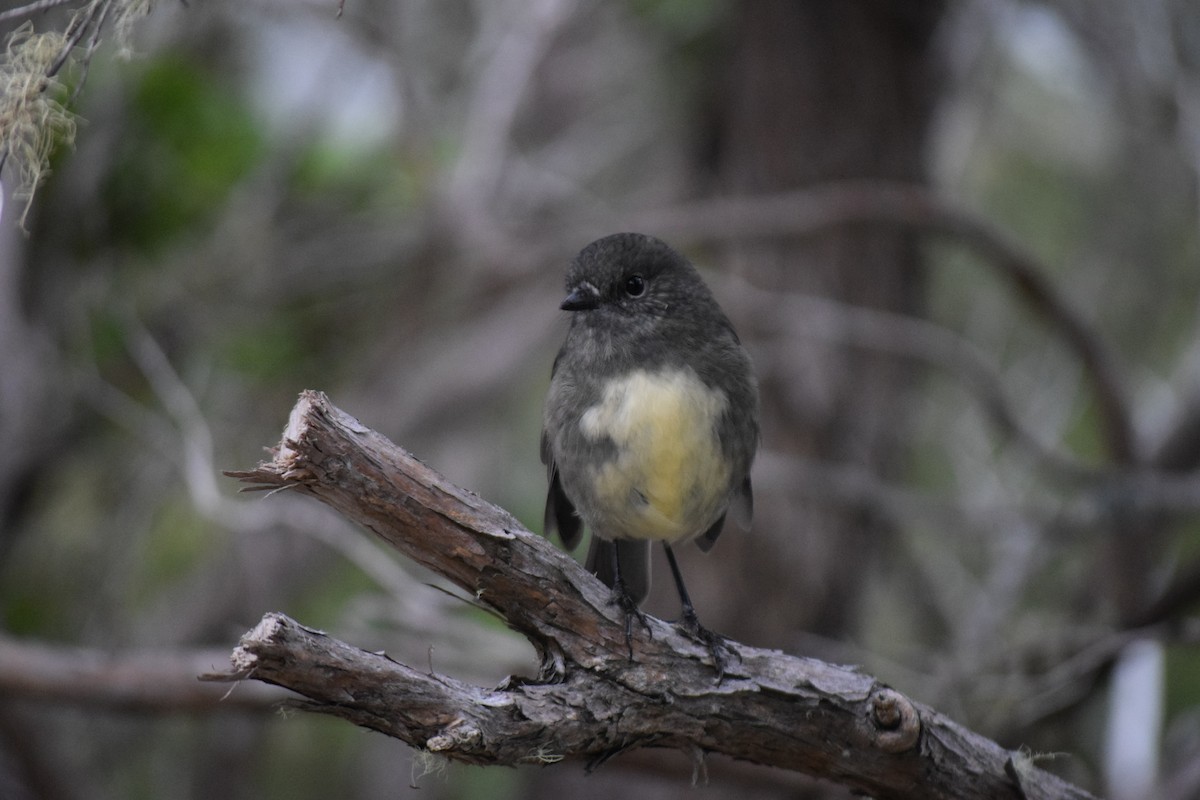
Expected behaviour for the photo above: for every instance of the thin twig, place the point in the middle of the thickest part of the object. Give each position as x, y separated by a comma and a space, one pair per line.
81, 23
30, 8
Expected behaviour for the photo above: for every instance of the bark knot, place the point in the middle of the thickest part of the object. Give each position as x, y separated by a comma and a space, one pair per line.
896, 723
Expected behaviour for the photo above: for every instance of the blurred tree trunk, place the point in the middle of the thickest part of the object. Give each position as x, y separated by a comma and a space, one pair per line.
813, 92
809, 92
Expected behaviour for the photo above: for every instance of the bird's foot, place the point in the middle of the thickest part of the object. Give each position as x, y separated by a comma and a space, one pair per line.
718, 646
629, 606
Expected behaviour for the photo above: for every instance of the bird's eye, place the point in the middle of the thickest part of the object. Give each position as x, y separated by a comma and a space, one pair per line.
635, 286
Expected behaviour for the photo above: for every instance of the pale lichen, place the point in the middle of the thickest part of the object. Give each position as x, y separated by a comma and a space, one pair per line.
126, 14
33, 116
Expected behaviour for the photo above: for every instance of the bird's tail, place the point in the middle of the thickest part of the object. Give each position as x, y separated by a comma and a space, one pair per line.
630, 556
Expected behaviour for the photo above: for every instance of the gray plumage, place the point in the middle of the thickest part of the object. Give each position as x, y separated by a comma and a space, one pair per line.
651, 420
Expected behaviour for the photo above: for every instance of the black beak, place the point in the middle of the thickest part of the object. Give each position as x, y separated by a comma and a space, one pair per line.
583, 297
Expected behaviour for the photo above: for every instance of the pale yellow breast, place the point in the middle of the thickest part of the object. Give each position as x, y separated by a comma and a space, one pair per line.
668, 479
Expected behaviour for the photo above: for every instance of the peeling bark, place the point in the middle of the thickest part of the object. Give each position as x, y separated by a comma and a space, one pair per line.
589, 699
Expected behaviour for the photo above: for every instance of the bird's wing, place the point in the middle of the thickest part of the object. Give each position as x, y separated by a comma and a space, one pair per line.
560, 516
741, 505
709, 537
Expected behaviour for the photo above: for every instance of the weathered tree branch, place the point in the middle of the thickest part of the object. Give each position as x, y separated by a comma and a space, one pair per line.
589, 699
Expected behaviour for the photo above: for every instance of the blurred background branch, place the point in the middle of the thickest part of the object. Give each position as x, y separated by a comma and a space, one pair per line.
134, 681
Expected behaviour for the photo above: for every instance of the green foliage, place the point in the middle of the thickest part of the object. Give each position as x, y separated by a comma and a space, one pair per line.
288, 766
175, 544
270, 350
489, 783
325, 598
1085, 437
681, 18
188, 143
1049, 202
107, 339
297, 344
356, 179
48, 570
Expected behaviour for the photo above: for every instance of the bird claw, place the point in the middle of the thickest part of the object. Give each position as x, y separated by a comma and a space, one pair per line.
629, 607
718, 646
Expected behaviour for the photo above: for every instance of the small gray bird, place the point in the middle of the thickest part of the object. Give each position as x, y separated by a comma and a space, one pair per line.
651, 420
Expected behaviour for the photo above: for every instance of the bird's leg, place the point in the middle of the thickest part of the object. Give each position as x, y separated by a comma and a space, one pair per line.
717, 646
620, 596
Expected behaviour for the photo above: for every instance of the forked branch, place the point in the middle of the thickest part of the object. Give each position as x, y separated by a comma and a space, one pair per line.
589, 699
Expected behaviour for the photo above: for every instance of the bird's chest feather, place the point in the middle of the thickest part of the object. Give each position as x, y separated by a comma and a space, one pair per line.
667, 478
